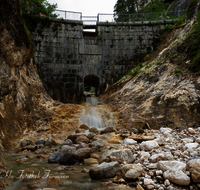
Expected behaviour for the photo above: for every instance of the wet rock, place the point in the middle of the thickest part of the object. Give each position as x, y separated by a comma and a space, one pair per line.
75, 136
114, 141
177, 177
84, 126
68, 149
26, 143
67, 142
46, 180
90, 135
149, 145
105, 156
129, 142
168, 165
100, 103
83, 145
82, 139
56, 157
67, 159
50, 141
29, 147
90, 161
108, 130
134, 172
85, 170
100, 143
193, 166
80, 130
82, 153
104, 170
97, 156
94, 130
39, 142
123, 155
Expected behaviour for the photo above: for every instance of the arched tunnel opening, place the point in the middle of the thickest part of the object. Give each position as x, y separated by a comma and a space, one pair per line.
91, 84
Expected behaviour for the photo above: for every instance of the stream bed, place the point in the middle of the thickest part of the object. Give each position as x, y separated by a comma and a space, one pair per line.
24, 167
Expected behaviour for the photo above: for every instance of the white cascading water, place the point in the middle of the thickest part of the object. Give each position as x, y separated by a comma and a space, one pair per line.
91, 116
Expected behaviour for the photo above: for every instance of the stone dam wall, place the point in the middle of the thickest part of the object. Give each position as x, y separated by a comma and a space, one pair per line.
68, 57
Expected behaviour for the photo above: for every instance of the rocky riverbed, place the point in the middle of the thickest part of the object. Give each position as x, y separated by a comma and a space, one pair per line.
111, 159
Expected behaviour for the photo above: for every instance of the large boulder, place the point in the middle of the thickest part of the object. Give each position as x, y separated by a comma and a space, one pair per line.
94, 130
56, 157
105, 156
149, 145
82, 153
29, 147
39, 142
123, 155
177, 177
99, 143
68, 149
193, 166
84, 126
170, 165
108, 130
26, 143
82, 139
104, 170
50, 141
67, 159
73, 137
68, 142
46, 180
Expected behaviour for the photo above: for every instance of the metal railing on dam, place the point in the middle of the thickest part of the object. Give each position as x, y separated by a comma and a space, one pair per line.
102, 17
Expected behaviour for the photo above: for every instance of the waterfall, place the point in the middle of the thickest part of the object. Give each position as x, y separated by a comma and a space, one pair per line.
92, 117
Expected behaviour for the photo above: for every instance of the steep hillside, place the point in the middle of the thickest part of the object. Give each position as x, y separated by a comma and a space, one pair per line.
165, 89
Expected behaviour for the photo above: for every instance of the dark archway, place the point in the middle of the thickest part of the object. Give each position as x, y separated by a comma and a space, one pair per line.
92, 81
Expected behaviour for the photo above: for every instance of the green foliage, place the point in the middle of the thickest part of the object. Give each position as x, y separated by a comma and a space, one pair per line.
167, 28
159, 63
177, 72
191, 46
191, 9
154, 7
198, 73
37, 7
41, 76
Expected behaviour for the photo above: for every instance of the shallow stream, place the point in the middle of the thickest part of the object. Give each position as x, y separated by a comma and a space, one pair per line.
71, 177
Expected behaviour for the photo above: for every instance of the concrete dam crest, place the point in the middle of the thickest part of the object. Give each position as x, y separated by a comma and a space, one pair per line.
70, 57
